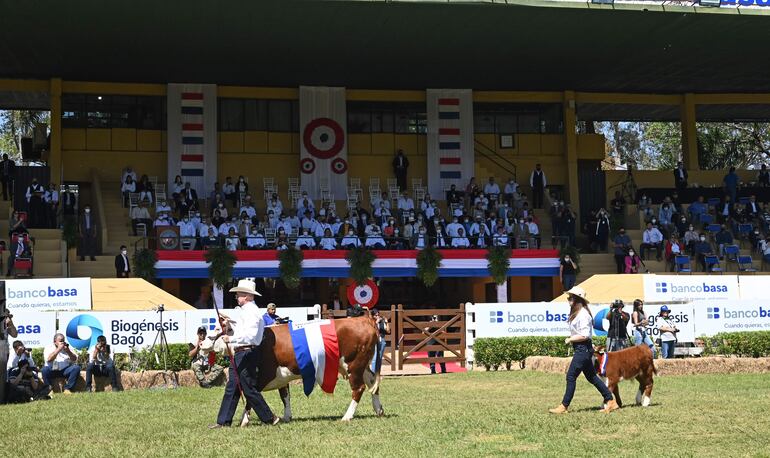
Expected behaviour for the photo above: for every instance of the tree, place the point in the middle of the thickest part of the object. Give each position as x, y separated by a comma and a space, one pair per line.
726, 144
16, 124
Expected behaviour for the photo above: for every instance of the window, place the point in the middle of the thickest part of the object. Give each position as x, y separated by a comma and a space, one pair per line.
98, 111
121, 110
510, 118
149, 113
231, 115
387, 117
255, 113
73, 111
279, 115
106, 111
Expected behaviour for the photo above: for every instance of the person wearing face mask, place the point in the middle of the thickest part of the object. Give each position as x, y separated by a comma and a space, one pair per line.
88, 230
681, 225
186, 233
350, 240
652, 238
702, 248
453, 227
35, 193
690, 239
420, 239
328, 242
256, 239
632, 262
375, 240
674, 248
241, 189
122, 266
602, 229
460, 240
621, 244
723, 238
305, 241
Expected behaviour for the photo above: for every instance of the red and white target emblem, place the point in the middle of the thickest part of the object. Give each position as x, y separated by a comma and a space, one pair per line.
339, 166
365, 295
307, 165
323, 138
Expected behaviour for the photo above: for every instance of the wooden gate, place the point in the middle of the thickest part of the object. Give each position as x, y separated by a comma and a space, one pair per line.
389, 356
431, 330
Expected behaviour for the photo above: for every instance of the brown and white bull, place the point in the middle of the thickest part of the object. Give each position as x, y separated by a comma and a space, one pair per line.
635, 362
357, 340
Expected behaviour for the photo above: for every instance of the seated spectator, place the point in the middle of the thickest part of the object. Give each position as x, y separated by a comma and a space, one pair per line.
328, 242
375, 240
176, 188
350, 240
681, 225
305, 241
248, 207
534, 231
51, 199
696, 209
691, 238
453, 228
652, 238
752, 208
674, 248
162, 220
60, 361
256, 239
140, 215
20, 353
460, 240
162, 207
232, 241
202, 363
243, 226
723, 238
292, 221
420, 239
186, 227
189, 200
633, 262
20, 248
382, 213
521, 233
702, 248
211, 239
145, 189
440, 236
454, 197
404, 204
128, 187
618, 205
724, 210
665, 217
645, 207
492, 190
217, 220
480, 233
128, 171
101, 364
24, 384
217, 191
510, 191
305, 206
500, 238
472, 190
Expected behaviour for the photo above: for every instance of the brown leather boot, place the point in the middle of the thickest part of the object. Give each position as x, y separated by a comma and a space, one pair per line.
560, 409
611, 405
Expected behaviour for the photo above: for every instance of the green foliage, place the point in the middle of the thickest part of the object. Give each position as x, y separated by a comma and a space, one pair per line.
754, 344
721, 145
428, 262
573, 253
178, 359
15, 124
504, 351
360, 261
221, 262
144, 263
70, 232
499, 258
290, 266
37, 356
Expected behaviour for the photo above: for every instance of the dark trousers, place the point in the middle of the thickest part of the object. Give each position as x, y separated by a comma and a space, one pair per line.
246, 361
620, 263
71, 373
568, 281
88, 245
401, 179
106, 370
649, 246
537, 197
435, 354
583, 363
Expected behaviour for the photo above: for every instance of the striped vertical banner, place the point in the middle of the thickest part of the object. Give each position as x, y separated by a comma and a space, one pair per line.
192, 135
450, 139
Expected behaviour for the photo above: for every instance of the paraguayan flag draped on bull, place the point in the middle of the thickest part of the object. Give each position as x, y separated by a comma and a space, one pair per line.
317, 352
450, 139
323, 140
192, 135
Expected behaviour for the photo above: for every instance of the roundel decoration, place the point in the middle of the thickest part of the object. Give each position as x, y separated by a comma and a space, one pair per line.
601, 322
365, 295
339, 166
77, 335
323, 138
307, 165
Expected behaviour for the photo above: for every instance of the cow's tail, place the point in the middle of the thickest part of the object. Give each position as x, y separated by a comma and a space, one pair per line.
377, 366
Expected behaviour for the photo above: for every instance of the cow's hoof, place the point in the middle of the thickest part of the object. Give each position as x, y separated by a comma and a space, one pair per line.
285, 419
346, 420
380, 413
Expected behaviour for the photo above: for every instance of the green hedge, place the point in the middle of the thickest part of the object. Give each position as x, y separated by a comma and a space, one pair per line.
494, 353
177, 359
752, 344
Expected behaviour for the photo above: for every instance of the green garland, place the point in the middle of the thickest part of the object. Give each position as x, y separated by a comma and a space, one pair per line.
144, 264
428, 262
499, 258
360, 261
290, 266
221, 262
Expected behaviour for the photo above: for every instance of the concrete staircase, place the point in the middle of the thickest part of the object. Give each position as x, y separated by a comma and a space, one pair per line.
48, 252
119, 233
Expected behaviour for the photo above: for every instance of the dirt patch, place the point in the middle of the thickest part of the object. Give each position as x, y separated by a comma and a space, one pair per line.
686, 366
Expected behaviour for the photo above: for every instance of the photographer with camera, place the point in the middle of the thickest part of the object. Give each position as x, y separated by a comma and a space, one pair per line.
668, 332
60, 361
617, 334
203, 362
21, 354
101, 364
24, 384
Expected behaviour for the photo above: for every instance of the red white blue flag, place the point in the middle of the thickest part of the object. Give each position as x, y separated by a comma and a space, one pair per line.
450, 138
317, 352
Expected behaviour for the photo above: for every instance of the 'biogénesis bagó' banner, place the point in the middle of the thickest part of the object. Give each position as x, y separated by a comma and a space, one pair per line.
123, 330
48, 294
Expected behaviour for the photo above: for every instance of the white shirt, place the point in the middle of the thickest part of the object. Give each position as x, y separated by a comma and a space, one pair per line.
228, 188
374, 239
350, 239
249, 211
533, 229
51, 196
652, 236
452, 229
582, 324
186, 229
162, 208
665, 336
461, 242
249, 327
328, 243
13, 363
255, 241
511, 188
62, 360
305, 240
491, 188
405, 203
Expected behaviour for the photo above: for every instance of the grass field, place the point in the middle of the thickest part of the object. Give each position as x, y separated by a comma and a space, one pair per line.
473, 414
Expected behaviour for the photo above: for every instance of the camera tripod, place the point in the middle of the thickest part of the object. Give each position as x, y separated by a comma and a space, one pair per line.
627, 187
159, 344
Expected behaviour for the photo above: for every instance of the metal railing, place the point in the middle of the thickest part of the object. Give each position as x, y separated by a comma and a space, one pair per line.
495, 158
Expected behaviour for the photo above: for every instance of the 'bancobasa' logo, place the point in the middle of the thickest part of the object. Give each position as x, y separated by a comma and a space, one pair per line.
697, 288
41, 293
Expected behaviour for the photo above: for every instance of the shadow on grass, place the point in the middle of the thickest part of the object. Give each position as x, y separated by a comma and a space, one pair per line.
625, 406
338, 418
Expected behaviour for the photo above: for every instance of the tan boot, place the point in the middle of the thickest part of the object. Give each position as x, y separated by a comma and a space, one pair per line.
611, 405
560, 409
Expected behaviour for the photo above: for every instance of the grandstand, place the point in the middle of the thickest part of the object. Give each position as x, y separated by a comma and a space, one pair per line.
525, 75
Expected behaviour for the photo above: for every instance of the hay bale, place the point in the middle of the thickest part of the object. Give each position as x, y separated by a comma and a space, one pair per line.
137, 380
712, 365
548, 364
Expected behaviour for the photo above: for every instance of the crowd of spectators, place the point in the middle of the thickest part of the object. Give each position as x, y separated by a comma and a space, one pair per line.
478, 217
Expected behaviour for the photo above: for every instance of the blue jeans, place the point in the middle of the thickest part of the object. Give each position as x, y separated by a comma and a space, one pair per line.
667, 348
640, 337
107, 370
377, 363
569, 281
583, 363
71, 373
247, 362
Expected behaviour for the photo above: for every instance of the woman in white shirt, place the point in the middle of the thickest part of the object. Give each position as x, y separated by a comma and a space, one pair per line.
328, 242
668, 331
581, 328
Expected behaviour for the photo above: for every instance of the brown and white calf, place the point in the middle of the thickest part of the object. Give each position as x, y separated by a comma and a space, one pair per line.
635, 362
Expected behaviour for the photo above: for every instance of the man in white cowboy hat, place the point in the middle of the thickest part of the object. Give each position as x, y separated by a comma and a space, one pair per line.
244, 339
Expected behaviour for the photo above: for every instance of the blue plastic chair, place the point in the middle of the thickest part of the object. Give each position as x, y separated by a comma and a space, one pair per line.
683, 264
712, 264
746, 264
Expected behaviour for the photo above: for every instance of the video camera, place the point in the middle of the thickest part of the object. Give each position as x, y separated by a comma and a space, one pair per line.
617, 304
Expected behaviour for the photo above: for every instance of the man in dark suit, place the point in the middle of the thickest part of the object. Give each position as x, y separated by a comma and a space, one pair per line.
189, 200
19, 249
400, 166
7, 174
122, 267
68, 202
87, 234
680, 176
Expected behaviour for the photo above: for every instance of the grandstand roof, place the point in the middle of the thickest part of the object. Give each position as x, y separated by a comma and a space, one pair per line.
513, 45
